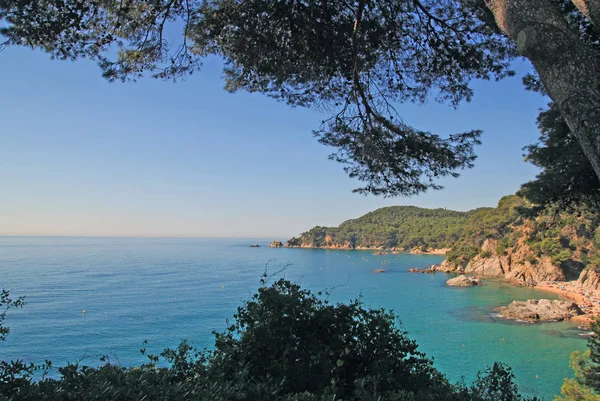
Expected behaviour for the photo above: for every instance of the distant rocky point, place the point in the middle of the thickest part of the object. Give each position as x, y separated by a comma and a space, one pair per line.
276, 244
542, 310
254, 246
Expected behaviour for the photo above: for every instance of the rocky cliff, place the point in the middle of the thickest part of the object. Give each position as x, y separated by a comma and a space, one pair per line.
519, 264
514, 264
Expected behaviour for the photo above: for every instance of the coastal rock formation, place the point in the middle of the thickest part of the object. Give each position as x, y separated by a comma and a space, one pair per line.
447, 267
463, 281
514, 264
541, 310
589, 280
254, 246
293, 243
421, 250
275, 244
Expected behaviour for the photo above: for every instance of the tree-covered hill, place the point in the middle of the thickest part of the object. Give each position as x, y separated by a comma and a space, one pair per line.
515, 240
405, 227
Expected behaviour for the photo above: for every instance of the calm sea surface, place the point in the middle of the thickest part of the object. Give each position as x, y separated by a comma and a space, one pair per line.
166, 290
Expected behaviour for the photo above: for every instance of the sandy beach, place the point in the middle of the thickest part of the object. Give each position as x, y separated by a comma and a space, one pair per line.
587, 300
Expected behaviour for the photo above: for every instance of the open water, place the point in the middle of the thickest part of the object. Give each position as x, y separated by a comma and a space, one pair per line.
166, 290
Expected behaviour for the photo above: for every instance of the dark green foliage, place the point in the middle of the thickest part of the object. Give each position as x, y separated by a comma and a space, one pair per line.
567, 177
355, 59
591, 373
562, 256
586, 366
285, 344
485, 254
293, 242
6, 302
496, 384
394, 227
284, 332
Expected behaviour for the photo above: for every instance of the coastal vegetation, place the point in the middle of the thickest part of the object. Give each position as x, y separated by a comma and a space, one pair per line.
6, 303
585, 386
285, 343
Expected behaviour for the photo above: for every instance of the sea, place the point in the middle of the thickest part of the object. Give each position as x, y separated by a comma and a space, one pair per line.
164, 290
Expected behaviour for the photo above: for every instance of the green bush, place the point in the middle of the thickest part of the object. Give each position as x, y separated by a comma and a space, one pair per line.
501, 249
536, 248
562, 256
531, 258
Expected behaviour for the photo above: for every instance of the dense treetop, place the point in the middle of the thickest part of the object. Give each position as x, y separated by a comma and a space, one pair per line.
356, 60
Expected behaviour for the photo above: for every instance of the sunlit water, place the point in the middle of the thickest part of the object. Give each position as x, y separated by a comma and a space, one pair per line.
166, 290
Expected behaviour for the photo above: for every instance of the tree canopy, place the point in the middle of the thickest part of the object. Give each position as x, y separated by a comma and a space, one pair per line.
356, 60
567, 178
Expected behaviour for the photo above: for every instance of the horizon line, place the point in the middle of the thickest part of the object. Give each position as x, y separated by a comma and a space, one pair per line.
135, 236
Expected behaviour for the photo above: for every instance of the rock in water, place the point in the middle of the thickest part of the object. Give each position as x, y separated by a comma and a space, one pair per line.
276, 244
542, 310
463, 281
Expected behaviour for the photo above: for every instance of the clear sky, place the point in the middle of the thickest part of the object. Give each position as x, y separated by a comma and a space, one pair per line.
81, 156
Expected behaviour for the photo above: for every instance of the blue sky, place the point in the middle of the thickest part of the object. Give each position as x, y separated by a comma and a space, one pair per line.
81, 156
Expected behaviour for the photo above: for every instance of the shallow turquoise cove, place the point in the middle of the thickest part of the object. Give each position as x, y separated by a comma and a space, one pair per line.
165, 290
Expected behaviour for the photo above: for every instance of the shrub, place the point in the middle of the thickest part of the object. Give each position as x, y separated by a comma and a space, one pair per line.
562, 256
531, 258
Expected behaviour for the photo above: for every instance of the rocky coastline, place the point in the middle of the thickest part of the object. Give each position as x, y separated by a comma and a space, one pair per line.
293, 243
567, 280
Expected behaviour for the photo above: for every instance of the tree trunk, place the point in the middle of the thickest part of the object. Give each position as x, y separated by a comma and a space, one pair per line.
591, 9
569, 69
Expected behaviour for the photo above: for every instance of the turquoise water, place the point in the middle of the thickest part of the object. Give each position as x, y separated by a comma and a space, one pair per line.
165, 290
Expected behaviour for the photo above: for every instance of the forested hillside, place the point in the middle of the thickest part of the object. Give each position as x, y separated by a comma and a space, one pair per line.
513, 240
404, 227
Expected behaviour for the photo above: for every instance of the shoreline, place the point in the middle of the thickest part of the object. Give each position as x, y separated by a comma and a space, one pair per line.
414, 251
587, 300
